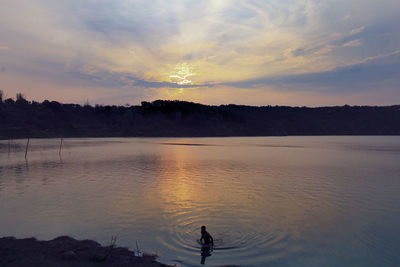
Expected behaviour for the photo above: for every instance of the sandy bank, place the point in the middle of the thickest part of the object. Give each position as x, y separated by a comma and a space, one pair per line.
66, 251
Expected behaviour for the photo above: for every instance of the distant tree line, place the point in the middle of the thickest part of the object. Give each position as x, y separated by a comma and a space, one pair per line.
21, 118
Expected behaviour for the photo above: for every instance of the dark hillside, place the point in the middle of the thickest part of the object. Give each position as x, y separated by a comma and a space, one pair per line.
21, 118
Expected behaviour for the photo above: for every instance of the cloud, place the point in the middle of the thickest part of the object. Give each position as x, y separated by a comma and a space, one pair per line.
357, 30
138, 45
353, 43
381, 71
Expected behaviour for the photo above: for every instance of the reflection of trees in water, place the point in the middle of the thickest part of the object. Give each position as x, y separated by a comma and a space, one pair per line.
18, 173
21, 171
10, 146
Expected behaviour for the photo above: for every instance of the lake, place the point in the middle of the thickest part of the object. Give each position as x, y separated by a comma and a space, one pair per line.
276, 201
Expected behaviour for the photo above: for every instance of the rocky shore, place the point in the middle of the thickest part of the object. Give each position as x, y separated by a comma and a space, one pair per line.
66, 251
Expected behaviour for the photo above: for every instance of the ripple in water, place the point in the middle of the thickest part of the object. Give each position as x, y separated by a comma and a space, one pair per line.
240, 238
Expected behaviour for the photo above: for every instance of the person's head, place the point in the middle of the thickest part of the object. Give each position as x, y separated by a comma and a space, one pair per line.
203, 228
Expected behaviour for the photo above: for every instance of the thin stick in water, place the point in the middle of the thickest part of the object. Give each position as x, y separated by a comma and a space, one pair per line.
26, 149
59, 152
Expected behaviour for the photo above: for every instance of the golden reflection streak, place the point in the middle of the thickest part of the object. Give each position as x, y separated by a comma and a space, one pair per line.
175, 181
180, 184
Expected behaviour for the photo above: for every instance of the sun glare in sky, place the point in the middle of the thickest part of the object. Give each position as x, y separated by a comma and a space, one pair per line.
181, 73
266, 52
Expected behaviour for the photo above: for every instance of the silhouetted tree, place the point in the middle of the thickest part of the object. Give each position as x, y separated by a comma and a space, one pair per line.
9, 101
19, 96
20, 99
22, 118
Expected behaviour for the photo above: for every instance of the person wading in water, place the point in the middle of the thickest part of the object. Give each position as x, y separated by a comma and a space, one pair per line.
207, 244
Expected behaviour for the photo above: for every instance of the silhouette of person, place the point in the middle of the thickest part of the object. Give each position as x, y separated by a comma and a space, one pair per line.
207, 244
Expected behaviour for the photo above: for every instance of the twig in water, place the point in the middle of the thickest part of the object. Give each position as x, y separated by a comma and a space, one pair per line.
59, 152
26, 148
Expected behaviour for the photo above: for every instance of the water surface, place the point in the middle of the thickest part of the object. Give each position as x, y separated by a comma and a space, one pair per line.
276, 201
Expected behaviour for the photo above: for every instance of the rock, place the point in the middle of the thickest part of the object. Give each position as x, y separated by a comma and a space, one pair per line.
97, 257
69, 255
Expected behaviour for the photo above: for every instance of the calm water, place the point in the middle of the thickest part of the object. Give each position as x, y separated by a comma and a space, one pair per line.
276, 201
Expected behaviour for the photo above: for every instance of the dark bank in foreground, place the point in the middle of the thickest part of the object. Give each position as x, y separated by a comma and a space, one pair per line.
66, 251
22, 119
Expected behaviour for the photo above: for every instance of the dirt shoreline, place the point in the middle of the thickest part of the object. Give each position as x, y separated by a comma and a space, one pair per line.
67, 251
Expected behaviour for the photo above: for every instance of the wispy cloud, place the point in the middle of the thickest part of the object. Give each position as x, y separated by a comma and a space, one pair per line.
381, 71
357, 30
353, 43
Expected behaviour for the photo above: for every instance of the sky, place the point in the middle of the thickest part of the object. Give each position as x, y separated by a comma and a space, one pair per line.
260, 52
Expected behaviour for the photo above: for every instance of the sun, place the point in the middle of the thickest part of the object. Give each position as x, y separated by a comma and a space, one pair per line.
181, 73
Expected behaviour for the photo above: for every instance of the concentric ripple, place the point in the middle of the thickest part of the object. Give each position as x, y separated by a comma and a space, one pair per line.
248, 239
